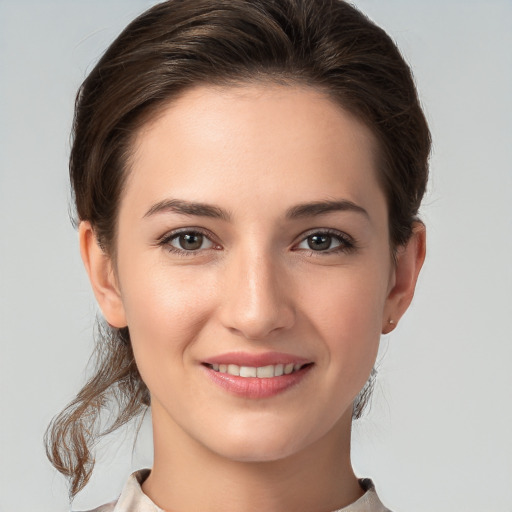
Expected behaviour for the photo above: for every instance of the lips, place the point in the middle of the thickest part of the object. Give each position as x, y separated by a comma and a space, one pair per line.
257, 375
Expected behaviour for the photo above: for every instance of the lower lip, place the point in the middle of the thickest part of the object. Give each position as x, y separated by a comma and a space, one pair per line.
254, 387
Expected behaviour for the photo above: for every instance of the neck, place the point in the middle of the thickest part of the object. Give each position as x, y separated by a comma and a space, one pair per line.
187, 476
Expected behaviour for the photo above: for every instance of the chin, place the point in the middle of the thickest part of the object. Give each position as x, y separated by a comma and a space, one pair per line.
262, 441
267, 450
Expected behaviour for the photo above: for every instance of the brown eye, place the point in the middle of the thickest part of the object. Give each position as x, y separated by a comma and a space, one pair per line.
327, 242
319, 242
190, 241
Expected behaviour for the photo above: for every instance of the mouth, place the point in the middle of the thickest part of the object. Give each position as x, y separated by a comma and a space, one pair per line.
253, 376
260, 372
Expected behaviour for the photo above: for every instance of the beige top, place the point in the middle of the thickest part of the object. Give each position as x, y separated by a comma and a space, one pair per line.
132, 498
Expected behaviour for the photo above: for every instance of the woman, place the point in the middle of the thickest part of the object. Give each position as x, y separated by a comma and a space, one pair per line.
247, 177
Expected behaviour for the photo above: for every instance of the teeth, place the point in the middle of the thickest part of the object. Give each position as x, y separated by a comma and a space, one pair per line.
248, 371
233, 369
262, 372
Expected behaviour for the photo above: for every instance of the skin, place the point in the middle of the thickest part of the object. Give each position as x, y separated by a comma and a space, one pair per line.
256, 152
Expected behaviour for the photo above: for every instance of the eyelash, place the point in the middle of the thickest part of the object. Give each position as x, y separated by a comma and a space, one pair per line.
346, 243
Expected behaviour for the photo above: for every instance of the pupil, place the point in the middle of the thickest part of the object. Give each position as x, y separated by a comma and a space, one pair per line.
319, 242
191, 241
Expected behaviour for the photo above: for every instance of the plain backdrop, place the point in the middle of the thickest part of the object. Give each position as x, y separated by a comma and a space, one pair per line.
438, 437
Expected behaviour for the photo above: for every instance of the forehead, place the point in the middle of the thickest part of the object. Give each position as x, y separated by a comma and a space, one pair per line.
268, 140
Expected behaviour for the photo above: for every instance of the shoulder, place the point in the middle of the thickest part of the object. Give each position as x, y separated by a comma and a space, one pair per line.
132, 498
369, 502
108, 507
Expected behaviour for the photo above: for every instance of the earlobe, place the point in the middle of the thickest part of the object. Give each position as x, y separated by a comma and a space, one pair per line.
99, 267
409, 260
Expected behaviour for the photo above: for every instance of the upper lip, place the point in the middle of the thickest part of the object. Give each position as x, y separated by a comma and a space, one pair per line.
255, 360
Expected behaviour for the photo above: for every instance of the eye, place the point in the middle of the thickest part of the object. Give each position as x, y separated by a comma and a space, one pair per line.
187, 241
326, 241
321, 242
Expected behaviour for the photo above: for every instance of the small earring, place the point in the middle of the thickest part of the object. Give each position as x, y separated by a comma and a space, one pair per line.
387, 330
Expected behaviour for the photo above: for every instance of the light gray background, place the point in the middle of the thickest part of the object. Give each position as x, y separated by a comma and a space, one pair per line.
439, 435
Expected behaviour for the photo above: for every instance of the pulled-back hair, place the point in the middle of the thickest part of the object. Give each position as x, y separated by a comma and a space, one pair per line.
327, 44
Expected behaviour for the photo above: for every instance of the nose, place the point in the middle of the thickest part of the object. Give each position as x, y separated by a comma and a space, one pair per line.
256, 300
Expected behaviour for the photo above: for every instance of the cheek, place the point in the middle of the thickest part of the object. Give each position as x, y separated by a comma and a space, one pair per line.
348, 300
346, 312
165, 307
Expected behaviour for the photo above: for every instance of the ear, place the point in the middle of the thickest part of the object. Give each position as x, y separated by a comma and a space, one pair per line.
409, 260
101, 274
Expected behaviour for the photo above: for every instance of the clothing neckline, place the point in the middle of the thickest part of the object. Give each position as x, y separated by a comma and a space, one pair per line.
132, 498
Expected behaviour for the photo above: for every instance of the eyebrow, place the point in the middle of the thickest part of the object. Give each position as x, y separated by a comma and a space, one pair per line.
188, 208
296, 212
324, 207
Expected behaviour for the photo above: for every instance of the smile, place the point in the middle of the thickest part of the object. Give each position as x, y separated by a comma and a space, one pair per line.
257, 377
260, 372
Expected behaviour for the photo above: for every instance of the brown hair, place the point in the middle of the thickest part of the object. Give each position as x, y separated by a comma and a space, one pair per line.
326, 44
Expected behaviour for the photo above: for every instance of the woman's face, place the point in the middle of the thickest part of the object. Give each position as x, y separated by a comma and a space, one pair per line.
253, 238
